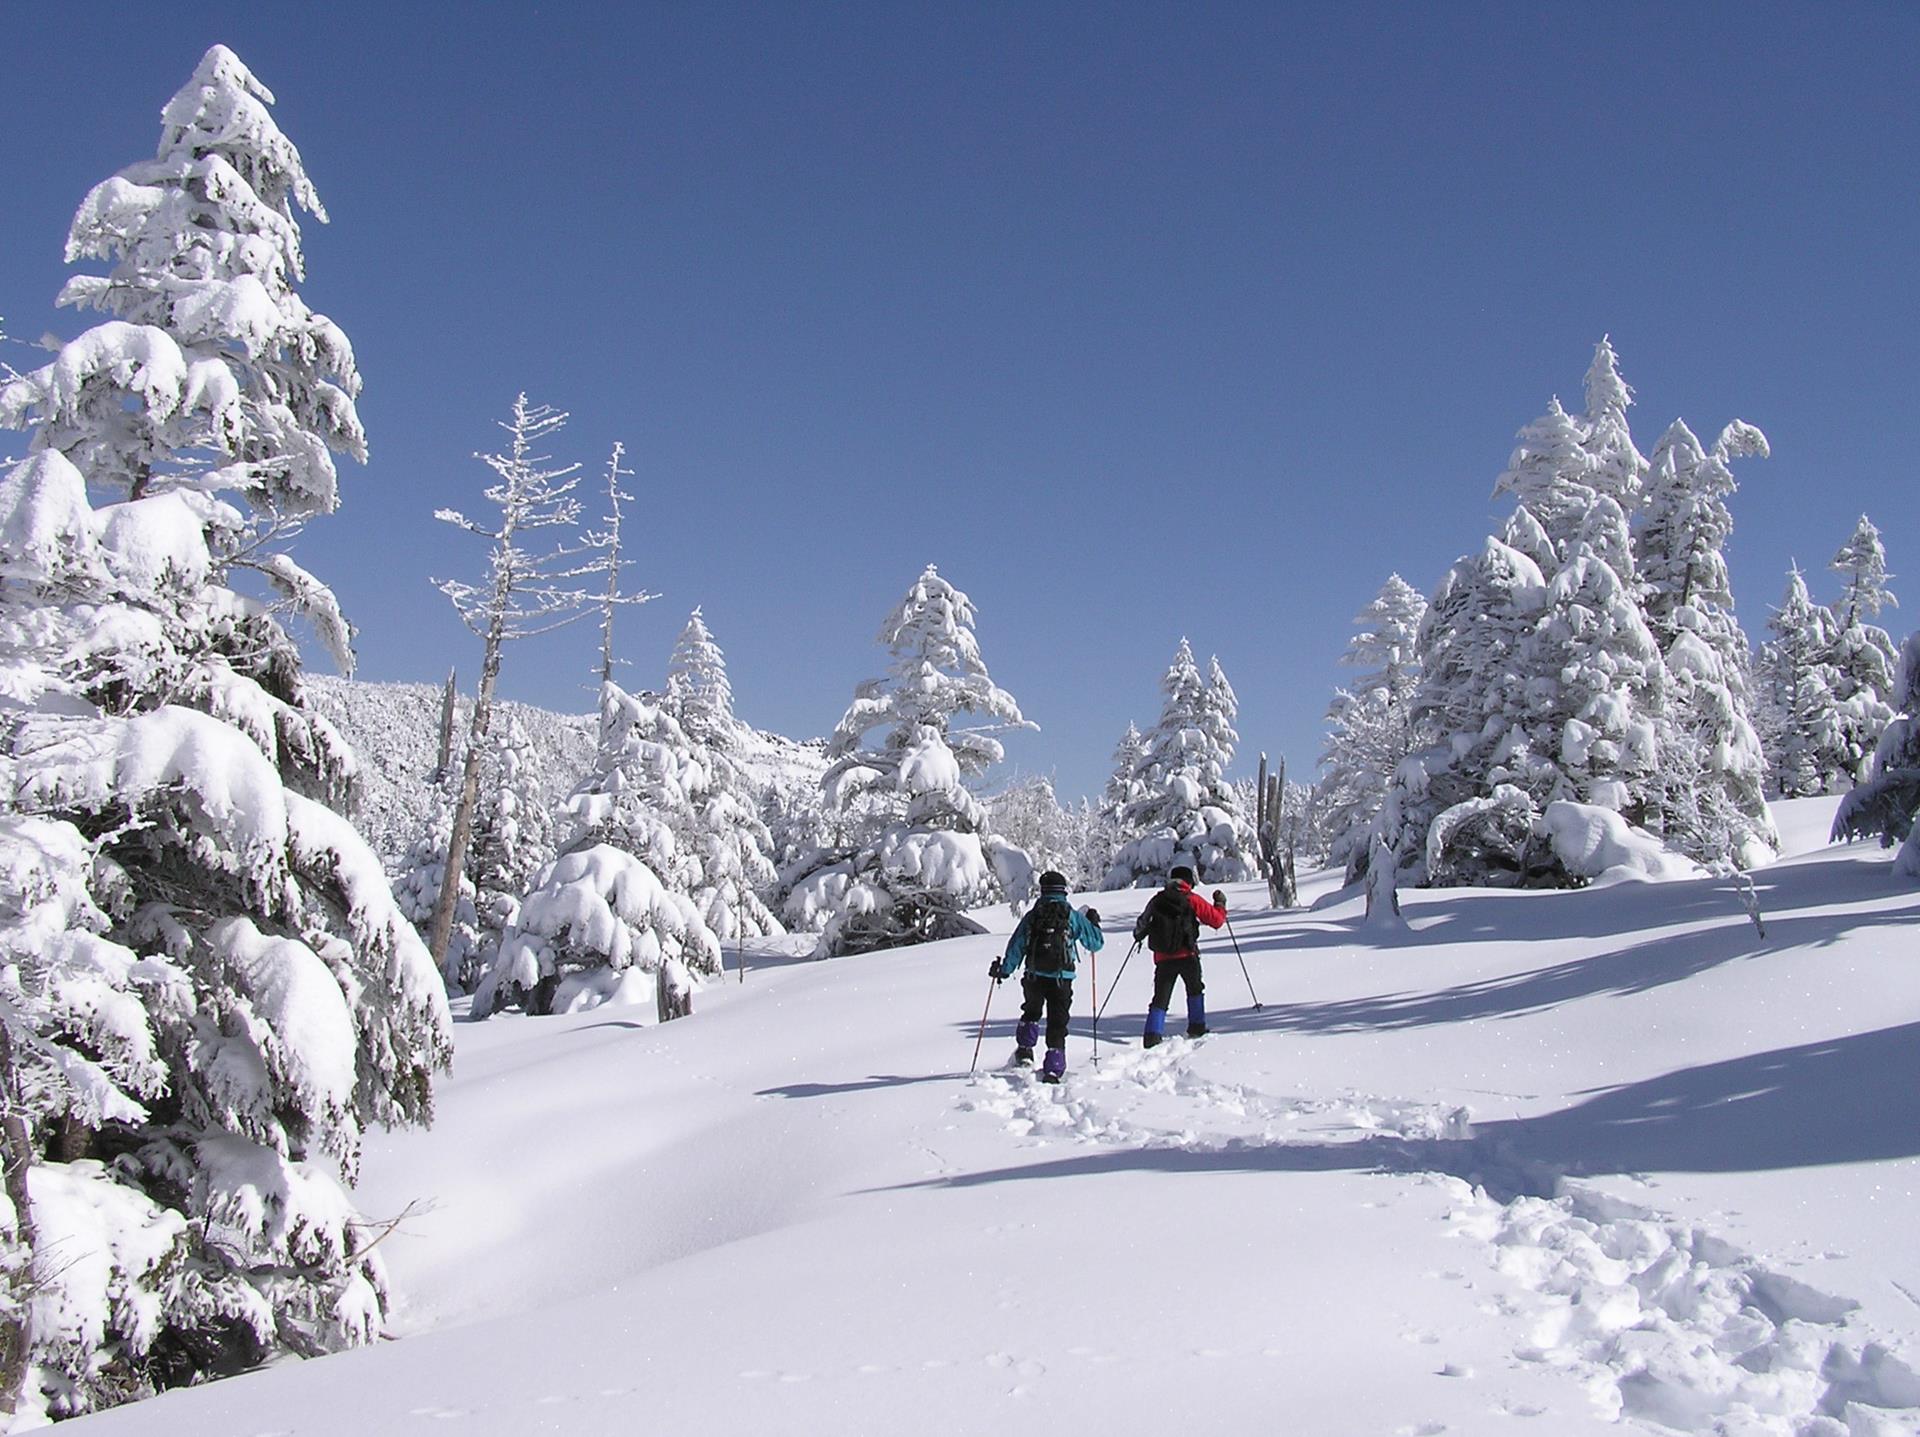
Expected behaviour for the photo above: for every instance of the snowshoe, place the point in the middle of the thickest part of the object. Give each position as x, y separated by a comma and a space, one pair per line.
1023, 1057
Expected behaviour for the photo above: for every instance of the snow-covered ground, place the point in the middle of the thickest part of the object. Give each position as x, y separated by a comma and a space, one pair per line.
1552, 1163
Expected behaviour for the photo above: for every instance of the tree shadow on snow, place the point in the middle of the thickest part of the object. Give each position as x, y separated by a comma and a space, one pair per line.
863, 1085
1787, 898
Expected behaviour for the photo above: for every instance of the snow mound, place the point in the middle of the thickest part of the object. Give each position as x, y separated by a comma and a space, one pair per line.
1599, 845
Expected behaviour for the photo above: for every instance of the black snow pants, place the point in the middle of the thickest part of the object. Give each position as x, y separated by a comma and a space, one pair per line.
1165, 970
1055, 995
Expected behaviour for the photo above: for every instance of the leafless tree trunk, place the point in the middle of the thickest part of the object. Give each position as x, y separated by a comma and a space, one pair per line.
448, 700
441, 932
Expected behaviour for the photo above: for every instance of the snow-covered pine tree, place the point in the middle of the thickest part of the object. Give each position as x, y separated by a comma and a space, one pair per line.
1370, 724
512, 834
1186, 813
1594, 682
1862, 656
699, 693
217, 990
1710, 802
919, 851
1470, 699
1551, 474
1618, 470
1123, 788
1798, 713
1887, 802
730, 842
1862, 566
616, 904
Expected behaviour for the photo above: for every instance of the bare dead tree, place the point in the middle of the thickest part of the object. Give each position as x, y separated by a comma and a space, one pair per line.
526, 593
16, 1333
604, 545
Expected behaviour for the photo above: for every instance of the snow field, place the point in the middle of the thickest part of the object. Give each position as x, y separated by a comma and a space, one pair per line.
1559, 1163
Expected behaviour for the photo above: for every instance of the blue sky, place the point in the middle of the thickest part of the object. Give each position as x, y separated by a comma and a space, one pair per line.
1138, 320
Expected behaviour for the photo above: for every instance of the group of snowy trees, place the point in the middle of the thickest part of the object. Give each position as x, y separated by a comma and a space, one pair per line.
1589, 654
207, 992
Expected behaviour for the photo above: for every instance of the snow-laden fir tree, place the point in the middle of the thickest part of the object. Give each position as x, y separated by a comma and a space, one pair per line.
1551, 474
918, 852
698, 692
1186, 813
1470, 695
512, 834
1863, 657
1710, 801
1887, 801
1618, 469
213, 988
1123, 788
1862, 567
1370, 725
729, 844
615, 906
1798, 716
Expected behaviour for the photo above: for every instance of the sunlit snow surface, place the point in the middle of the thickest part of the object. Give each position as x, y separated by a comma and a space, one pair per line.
1556, 1163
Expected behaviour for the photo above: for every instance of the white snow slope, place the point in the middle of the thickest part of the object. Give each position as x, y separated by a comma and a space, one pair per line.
1547, 1163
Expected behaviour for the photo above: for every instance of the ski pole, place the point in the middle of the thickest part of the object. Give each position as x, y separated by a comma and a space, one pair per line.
983, 1027
1116, 981
1093, 977
1257, 1004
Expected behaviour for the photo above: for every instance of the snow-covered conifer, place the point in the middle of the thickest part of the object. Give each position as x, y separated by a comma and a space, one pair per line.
205, 950
1187, 813
1800, 722
1887, 802
1618, 469
1371, 723
512, 833
698, 692
1551, 475
1469, 701
1862, 565
919, 850
1711, 801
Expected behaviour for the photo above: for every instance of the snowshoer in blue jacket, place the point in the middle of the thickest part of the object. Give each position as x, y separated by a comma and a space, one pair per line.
1047, 940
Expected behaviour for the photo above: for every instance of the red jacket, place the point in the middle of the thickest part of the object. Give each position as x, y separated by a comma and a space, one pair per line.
1203, 910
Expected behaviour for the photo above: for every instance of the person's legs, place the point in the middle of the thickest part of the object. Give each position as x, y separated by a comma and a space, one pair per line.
1027, 1033
1163, 976
1059, 1004
1196, 1001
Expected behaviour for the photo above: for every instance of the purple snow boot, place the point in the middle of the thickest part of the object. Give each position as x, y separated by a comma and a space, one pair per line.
1024, 1037
1054, 1066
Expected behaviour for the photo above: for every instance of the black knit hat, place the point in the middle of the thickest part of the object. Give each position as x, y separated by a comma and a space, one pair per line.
1053, 881
1183, 874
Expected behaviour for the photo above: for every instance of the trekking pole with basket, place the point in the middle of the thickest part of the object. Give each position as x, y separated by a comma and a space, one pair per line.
1257, 1004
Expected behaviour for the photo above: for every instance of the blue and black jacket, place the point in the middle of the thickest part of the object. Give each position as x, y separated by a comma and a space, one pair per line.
1082, 932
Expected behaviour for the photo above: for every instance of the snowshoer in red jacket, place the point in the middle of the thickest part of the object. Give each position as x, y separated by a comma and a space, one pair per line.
1170, 924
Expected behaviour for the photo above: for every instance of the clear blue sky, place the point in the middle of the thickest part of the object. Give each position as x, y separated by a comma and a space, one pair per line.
1138, 320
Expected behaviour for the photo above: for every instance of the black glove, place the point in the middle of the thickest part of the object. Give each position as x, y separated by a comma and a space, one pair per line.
1220, 898
995, 971
1092, 915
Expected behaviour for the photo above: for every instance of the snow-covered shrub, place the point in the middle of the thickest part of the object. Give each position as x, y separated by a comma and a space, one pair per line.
220, 991
1597, 845
595, 928
915, 853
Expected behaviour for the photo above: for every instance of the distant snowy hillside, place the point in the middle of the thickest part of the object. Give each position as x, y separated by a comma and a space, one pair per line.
394, 728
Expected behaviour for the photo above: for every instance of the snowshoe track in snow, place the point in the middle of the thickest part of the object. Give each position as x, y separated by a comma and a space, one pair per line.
1660, 1322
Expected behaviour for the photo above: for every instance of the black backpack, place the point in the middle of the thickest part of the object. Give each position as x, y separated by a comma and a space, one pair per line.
1049, 933
1170, 923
